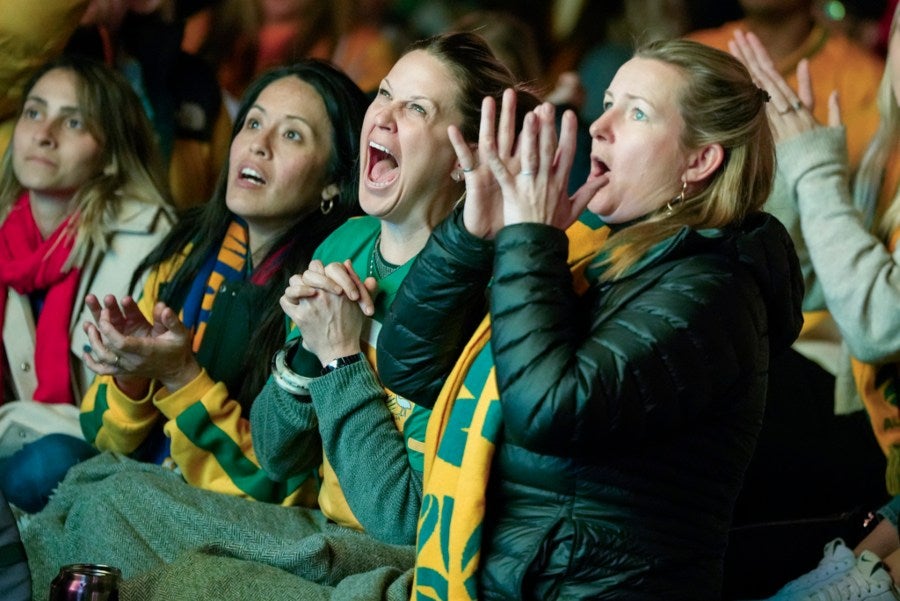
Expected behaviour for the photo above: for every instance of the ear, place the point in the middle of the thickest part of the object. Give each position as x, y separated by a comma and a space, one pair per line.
703, 162
330, 191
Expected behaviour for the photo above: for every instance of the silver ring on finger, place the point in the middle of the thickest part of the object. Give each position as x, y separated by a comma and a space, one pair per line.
116, 362
797, 105
526, 173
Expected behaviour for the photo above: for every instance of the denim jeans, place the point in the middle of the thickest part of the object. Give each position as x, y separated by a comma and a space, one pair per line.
29, 476
891, 511
15, 580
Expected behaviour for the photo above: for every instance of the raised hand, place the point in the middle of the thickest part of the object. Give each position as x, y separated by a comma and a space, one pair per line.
789, 112
535, 191
483, 210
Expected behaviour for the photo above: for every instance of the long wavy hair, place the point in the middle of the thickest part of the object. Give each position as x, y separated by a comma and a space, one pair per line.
867, 187
130, 165
204, 227
719, 104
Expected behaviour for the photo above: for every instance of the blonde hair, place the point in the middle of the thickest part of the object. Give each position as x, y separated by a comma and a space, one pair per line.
719, 104
132, 167
867, 186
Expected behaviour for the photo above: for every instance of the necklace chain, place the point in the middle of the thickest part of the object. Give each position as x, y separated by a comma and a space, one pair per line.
379, 267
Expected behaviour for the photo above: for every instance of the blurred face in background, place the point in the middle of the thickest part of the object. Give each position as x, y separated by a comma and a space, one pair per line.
110, 13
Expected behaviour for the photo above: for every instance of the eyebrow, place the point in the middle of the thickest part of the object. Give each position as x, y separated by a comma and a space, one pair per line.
386, 82
631, 97
68, 110
294, 117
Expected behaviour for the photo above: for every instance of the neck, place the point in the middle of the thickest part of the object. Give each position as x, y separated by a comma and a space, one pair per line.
50, 210
260, 240
403, 237
783, 33
400, 243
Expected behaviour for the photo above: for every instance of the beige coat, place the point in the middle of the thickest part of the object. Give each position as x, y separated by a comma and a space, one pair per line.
137, 231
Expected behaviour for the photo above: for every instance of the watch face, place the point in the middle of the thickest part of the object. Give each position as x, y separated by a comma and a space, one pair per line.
341, 362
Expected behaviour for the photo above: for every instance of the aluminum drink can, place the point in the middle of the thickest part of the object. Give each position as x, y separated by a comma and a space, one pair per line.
86, 582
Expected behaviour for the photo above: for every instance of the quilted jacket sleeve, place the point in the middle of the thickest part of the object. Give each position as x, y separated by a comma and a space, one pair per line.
436, 310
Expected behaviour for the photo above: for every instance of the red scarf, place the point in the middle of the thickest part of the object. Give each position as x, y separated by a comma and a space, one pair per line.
28, 263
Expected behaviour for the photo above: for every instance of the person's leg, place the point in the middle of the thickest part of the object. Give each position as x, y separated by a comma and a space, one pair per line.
840, 568
29, 476
15, 579
883, 540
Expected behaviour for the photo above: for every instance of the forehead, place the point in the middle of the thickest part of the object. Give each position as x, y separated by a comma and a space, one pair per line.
292, 96
653, 80
56, 82
421, 74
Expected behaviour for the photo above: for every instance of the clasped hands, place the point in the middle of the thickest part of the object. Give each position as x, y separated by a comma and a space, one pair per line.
512, 179
330, 304
124, 344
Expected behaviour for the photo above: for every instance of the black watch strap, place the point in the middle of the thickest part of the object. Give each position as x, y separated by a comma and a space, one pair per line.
341, 362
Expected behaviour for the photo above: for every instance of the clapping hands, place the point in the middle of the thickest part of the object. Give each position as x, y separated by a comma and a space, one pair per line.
523, 178
790, 113
124, 344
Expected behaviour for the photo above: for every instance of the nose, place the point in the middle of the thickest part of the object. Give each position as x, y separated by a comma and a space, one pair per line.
384, 117
600, 128
261, 145
45, 133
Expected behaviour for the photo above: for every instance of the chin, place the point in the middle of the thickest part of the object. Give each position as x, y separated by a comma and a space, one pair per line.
377, 206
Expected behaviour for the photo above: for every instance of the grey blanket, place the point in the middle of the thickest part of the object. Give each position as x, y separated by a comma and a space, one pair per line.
173, 541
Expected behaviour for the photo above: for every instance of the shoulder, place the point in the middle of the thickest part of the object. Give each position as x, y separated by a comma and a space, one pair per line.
709, 260
352, 235
840, 54
138, 217
749, 275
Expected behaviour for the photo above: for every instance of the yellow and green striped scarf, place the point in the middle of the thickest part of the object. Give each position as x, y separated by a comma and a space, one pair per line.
459, 445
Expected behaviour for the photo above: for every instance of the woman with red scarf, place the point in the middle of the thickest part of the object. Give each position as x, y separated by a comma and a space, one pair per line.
82, 200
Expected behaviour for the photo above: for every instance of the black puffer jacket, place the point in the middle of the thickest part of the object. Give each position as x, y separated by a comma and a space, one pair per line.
630, 413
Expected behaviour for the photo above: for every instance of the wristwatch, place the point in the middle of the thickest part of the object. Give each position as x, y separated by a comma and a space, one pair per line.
340, 362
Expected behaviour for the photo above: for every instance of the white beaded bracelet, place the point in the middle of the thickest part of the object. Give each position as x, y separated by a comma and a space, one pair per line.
287, 379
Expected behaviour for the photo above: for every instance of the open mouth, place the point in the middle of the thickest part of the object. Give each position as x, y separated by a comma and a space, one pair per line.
598, 167
252, 175
383, 166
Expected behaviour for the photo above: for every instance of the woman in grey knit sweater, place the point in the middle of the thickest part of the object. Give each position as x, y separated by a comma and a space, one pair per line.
856, 265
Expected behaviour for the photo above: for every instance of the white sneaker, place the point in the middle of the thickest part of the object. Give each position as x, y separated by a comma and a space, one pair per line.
837, 561
868, 580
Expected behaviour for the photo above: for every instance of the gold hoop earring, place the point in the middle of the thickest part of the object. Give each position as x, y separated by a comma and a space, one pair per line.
678, 200
326, 205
